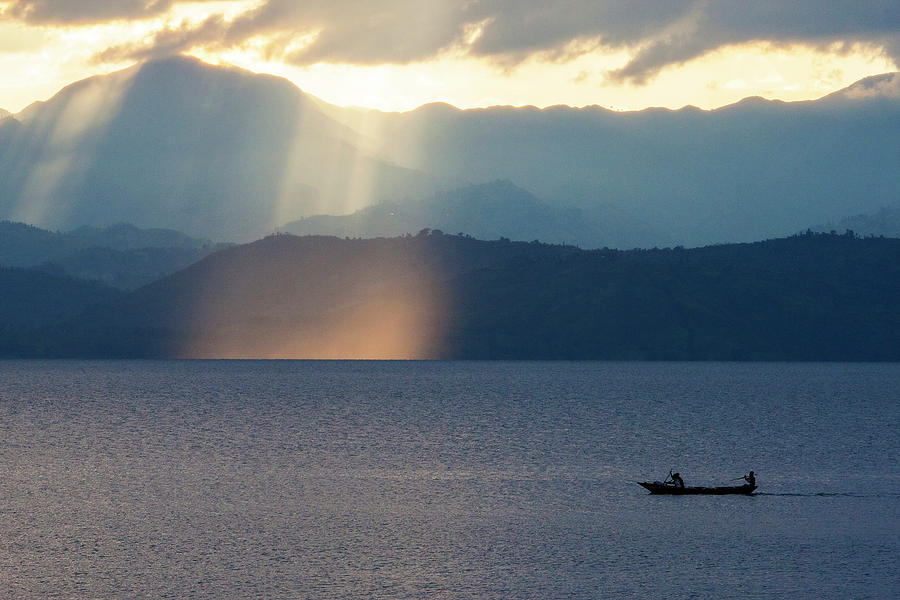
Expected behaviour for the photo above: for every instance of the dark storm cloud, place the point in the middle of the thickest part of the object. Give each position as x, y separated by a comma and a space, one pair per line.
659, 32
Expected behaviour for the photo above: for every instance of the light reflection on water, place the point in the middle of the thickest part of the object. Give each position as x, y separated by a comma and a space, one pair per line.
445, 480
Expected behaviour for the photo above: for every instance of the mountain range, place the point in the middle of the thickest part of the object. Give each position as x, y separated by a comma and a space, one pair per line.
122, 256
215, 152
432, 295
488, 211
226, 154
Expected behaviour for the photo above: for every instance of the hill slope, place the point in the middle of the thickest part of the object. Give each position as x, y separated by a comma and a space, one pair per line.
228, 154
34, 305
486, 211
749, 171
812, 297
122, 255
216, 152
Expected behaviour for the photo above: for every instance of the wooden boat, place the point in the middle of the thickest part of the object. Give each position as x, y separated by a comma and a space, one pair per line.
663, 488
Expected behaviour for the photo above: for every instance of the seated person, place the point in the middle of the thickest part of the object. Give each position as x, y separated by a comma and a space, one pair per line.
751, 478
676, 480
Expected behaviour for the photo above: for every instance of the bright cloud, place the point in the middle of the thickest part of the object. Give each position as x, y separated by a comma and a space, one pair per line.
396, 54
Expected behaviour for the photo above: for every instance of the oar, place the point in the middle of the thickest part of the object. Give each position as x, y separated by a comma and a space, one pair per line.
736, 479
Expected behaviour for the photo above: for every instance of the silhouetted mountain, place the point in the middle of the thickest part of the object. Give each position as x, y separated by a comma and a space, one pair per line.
216, 152
486, 211
121, 255
885, 222
809, 297
125, 236
33, 299
23, 245
884, 86
227, 154
126, 269
4, 114
748, 171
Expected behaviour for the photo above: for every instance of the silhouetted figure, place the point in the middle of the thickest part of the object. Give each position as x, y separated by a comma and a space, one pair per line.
675, 480
751, 478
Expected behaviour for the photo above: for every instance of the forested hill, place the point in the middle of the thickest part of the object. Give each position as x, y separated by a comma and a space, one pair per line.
809, 297
812, 297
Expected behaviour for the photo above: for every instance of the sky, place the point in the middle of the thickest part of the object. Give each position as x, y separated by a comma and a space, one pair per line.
399, 54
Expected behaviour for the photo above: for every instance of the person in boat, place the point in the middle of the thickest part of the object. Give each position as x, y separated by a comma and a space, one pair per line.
750, 479
675, 479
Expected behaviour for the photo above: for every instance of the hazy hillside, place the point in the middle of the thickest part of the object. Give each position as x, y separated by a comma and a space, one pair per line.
884, 86
298, 296
122, 255
885, 222
227, 154
812, 297
486, 211
216, 152
748, 171
125, 236
30, 298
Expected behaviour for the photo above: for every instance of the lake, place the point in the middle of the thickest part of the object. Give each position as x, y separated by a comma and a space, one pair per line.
306, 479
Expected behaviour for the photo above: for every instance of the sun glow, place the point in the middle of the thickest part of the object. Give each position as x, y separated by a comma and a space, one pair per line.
789, 73
35, 61
79, 126
379, 300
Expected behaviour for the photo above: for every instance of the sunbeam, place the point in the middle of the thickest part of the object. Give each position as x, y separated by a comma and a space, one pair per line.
68, 134
391, 303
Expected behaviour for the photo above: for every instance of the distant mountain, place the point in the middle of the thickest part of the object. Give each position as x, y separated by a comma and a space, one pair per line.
885, 222
126, 269
884, 86
31, 299
122, 255
216, 152
23, 245
227, 154
486, 211
748, 171
4, 114
809, 297
125, 236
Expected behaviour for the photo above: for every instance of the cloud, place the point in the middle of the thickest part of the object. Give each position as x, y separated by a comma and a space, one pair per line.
392, 31
658, 33
167, 42
73, 12
838, 23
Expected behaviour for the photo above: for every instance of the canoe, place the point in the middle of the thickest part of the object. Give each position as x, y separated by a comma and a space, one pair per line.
661, 488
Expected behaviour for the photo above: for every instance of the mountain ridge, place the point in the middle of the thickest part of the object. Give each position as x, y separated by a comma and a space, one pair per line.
487, 211
120, 255
218, 152
433, 295
224, 153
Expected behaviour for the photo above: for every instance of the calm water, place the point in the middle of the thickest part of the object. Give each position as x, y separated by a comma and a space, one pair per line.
446, 480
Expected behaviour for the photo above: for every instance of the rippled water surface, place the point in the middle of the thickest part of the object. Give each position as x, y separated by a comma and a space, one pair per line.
446, 480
